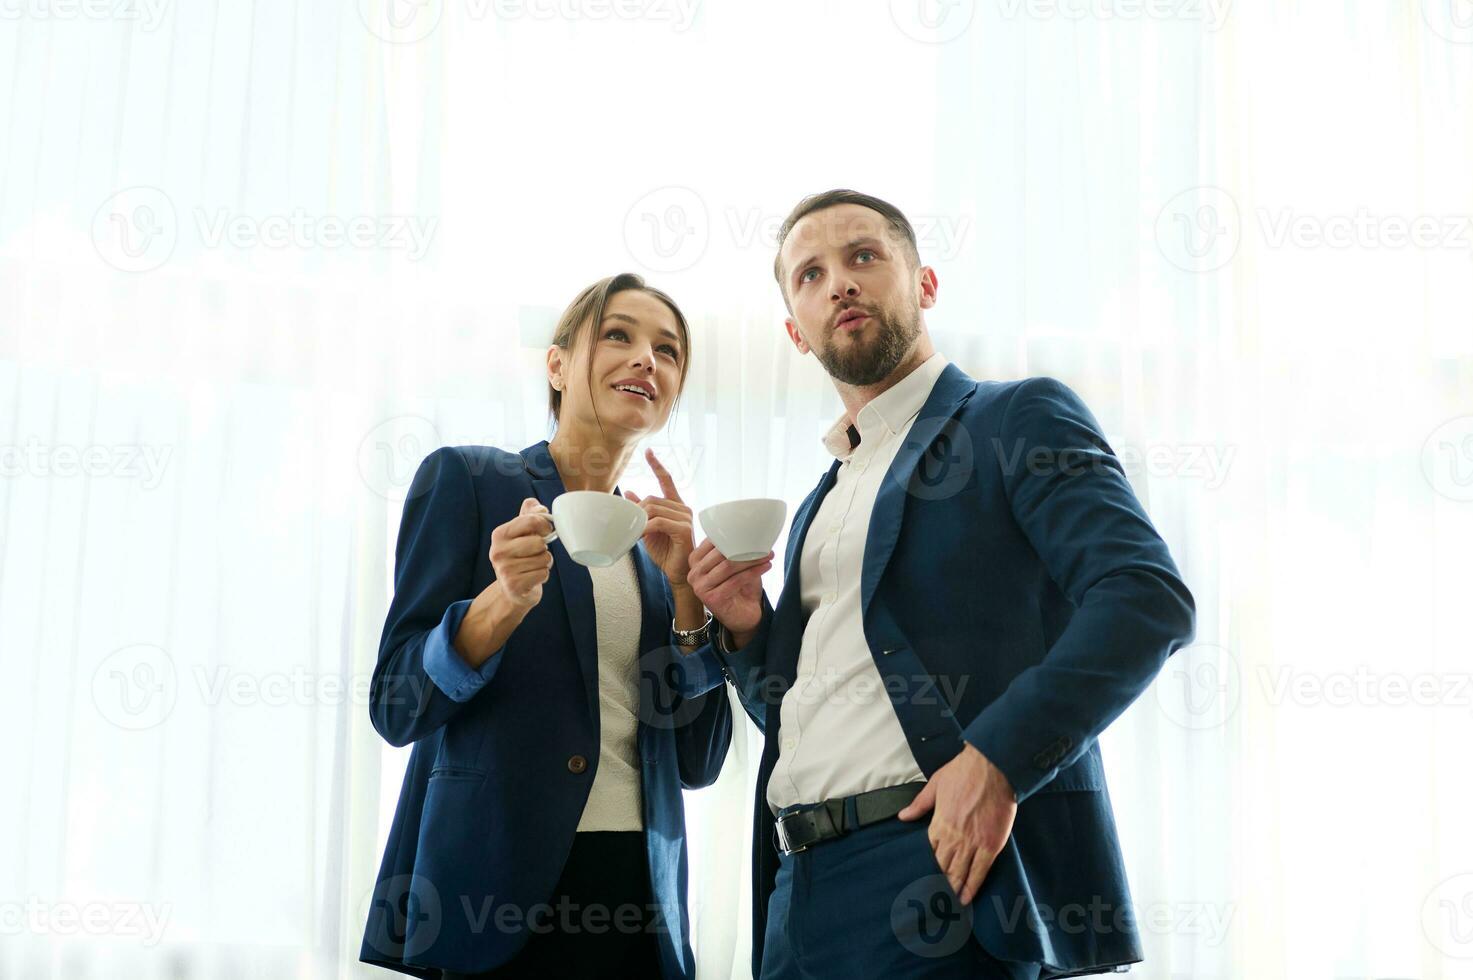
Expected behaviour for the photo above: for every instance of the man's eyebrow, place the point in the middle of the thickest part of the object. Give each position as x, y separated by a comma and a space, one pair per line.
855, 243
634, 322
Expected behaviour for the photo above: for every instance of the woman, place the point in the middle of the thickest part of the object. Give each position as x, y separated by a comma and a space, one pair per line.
540, 829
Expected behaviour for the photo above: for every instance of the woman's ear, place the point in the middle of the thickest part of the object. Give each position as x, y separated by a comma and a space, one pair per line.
555, 366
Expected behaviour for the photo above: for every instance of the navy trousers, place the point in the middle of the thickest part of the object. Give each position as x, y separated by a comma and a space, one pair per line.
874, 903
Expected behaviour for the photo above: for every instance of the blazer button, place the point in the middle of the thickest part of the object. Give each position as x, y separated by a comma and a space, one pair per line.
577, 764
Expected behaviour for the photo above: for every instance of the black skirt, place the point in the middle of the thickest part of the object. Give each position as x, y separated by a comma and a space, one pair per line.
600, 921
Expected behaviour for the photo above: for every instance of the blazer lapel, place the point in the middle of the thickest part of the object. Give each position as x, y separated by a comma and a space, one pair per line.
788, 620
571, 578
652, 632
931, 429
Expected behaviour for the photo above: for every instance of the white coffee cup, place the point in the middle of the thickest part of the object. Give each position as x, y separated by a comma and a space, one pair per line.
743, 530
597, 528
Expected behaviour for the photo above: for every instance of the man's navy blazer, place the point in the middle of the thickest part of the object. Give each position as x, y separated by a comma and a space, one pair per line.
504, 756
1014, 596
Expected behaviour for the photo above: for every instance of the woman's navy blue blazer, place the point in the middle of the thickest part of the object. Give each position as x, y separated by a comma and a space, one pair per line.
504, 755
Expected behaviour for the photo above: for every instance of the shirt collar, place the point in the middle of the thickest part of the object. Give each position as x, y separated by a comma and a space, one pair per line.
887, 411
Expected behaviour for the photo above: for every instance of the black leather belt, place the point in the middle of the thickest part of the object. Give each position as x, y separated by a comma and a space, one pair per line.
813, 823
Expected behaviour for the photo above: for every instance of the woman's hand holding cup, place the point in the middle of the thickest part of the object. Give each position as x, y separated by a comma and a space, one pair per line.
520, 556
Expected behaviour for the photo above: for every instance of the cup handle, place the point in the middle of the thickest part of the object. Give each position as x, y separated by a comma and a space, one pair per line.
550, 538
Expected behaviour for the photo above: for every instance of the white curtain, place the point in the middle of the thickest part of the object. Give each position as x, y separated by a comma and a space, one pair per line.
256, 260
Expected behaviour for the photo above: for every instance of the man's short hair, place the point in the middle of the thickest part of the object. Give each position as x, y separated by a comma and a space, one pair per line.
817, 202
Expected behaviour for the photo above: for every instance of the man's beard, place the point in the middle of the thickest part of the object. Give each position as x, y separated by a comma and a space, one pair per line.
862, 363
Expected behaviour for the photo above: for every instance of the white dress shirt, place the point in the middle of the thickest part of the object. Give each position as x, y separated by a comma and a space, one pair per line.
840, 735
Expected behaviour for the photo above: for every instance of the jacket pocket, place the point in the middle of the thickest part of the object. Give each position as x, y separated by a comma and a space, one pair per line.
457, 772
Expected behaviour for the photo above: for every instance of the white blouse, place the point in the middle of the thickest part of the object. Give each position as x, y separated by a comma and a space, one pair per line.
614, 802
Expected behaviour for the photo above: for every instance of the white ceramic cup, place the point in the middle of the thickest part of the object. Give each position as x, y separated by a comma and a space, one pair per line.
597, 528
743, 530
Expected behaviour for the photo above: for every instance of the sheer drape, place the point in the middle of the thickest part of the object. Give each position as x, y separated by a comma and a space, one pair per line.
256, 261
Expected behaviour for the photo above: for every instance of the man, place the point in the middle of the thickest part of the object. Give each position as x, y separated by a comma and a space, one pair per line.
973, 593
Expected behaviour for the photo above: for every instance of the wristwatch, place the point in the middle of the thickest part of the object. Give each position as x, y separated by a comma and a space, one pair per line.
691, 639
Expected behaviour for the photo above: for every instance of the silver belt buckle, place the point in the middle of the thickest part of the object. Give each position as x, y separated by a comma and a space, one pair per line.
782, 841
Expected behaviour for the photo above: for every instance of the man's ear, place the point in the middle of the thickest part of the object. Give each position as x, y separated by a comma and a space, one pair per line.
795, 336
928, 285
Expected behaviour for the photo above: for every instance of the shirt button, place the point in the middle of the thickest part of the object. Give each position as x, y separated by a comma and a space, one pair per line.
830, 596
836, 526
577, 764
788, 743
